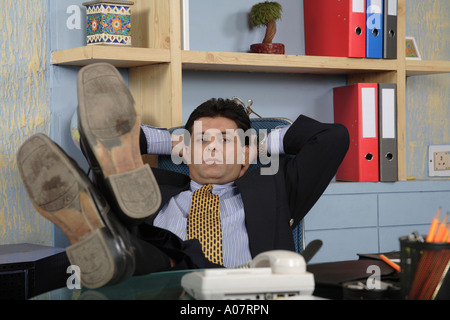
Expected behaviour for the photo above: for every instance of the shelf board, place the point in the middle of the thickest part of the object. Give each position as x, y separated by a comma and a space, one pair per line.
121, 57
419, 67
127, 57
250, 62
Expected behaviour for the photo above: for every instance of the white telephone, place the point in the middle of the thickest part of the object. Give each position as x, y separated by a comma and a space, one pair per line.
273, 274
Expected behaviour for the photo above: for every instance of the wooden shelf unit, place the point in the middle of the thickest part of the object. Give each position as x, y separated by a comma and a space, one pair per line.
156, 63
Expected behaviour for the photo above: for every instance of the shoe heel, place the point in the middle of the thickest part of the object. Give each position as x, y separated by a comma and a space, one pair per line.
136, 192
92, 255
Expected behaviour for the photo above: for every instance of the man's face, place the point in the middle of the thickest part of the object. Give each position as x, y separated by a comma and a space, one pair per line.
215, 154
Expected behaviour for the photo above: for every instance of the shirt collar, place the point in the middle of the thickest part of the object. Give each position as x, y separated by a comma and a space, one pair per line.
219, 189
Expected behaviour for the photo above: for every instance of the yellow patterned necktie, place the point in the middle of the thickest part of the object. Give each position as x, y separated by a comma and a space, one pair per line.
204, 223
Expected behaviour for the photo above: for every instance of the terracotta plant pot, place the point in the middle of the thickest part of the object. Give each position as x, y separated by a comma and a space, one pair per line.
270, 48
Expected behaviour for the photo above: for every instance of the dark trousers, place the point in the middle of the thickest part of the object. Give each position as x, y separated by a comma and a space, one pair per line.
158, 250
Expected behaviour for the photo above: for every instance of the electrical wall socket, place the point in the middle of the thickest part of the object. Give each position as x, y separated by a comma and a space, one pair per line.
439, 160
442, 161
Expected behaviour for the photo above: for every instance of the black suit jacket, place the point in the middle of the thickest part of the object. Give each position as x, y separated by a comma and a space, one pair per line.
274, 204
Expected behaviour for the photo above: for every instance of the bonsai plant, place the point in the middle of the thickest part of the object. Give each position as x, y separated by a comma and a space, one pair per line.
266, 14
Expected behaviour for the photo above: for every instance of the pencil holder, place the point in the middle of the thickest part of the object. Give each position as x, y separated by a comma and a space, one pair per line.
109, 22
424, 270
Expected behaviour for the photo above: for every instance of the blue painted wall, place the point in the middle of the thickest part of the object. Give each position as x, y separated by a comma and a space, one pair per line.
224, 26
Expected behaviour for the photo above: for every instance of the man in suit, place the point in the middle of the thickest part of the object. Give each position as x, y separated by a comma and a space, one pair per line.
140, 221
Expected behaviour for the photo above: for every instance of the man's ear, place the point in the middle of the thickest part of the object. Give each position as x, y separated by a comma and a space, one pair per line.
253, 149
246, 157
186, 154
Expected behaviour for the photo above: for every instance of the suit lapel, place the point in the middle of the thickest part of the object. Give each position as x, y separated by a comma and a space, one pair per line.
258, 196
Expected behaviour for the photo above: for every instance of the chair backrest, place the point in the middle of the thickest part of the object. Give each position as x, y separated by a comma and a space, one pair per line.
268, 124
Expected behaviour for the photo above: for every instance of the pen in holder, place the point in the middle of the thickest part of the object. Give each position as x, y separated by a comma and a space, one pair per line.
424, 269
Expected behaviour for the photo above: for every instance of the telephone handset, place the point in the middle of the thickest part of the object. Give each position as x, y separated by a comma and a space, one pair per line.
280, 261
271, 274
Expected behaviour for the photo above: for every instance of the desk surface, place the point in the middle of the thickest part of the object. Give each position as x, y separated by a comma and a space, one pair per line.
25, 252
167, 285
156, 286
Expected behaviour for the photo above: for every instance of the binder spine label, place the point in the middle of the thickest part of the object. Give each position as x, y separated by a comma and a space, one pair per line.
374, 15
392, 7
369, 114
358, 6
388, 114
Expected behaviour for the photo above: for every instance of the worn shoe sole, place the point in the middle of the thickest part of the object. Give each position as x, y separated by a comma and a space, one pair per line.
62, 195
110, 127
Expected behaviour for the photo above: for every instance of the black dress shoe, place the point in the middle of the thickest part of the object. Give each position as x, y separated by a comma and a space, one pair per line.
109, 135
62, 193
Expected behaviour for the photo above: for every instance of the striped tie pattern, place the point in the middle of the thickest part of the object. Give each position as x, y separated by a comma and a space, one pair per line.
204, 223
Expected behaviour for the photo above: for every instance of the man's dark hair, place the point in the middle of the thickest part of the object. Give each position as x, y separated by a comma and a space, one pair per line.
220, 108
